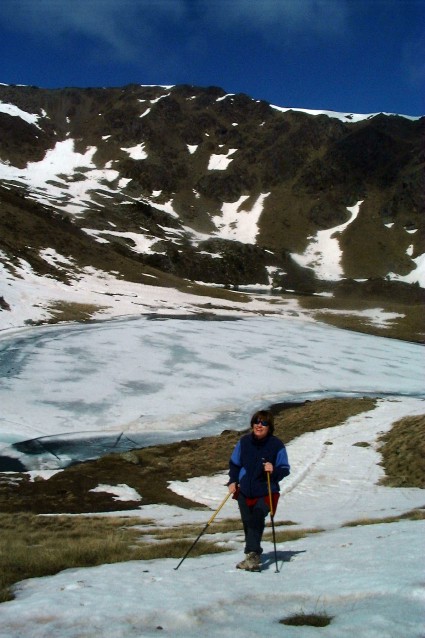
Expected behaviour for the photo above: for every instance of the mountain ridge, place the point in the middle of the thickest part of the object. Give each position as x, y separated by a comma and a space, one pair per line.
208, 186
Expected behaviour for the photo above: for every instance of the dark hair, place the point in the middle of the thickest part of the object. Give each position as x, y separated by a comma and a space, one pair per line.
264, 415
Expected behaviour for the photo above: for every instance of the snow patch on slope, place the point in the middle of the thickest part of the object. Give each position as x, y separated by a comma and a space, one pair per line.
323, 254
415, 276
238, 224
220, 162
15, 111
141, 243
64, 177
136, 152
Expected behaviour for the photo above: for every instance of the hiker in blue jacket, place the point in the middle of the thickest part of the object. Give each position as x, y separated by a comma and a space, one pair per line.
254, 455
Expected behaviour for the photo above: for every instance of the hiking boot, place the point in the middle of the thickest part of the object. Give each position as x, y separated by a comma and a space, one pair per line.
251, 563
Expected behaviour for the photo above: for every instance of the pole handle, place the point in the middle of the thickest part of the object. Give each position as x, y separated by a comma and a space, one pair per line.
270, 494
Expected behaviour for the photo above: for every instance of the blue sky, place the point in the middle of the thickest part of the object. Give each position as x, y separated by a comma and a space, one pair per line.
360, 56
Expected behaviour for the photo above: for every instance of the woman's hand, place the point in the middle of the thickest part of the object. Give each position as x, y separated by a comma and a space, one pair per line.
268, 467
232, 488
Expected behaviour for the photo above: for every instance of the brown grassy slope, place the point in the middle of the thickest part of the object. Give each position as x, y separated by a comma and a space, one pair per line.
403, 453
345, 309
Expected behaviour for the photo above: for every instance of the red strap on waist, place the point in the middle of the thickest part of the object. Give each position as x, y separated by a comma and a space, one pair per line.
252, 501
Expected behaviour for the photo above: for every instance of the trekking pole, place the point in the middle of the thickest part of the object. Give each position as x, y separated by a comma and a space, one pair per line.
272, 520
209, 523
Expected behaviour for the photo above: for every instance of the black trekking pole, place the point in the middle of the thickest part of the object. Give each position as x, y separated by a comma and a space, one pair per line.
209, 523
272, 520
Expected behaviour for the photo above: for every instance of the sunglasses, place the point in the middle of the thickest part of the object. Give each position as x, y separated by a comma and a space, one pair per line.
264, 424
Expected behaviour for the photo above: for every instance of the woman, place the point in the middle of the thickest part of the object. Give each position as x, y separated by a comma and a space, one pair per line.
255, 455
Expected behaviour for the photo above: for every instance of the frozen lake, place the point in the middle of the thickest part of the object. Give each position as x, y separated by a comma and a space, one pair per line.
172, 378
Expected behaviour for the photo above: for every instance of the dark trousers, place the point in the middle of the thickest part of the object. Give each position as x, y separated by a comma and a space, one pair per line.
254, 520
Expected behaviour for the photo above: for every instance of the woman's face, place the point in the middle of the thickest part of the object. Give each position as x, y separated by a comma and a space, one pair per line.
260, 428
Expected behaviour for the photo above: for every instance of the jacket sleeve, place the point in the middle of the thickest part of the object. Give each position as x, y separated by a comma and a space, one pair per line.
281, 466
235, 464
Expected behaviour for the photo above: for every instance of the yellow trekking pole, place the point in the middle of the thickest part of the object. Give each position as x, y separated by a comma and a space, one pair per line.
272, 520
208, 523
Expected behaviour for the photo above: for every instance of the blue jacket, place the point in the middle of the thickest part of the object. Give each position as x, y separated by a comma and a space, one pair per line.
247, 460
